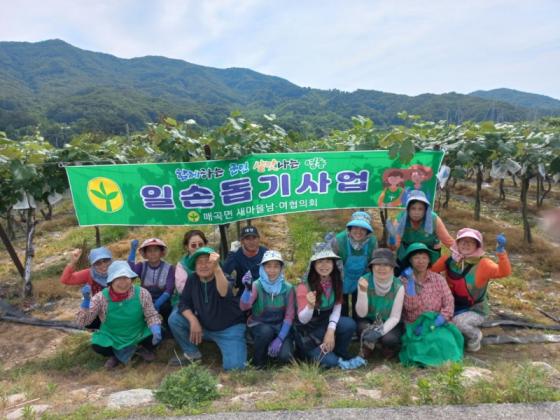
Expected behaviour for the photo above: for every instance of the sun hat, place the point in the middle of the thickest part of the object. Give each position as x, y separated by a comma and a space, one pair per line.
470, 233
271, 255
420, 247
118, 269
417, 195
152, 242
97, 254
321, 251
360, 219
191, 262
383, 256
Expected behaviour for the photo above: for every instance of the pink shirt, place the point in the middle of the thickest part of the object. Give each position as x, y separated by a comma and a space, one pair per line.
434, 296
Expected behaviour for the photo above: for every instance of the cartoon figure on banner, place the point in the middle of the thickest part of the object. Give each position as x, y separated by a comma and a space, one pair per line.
417, 174
391, 196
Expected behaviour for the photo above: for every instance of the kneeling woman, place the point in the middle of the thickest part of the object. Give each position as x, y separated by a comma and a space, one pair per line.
380, 303
323, 335
272, 300
430, 339
468, 273
129, 321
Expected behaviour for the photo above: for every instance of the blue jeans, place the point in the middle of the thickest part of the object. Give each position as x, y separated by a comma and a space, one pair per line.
263, 334
343, 336
231, 340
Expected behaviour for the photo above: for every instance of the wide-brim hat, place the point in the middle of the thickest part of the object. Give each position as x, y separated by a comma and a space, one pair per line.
118, 269
323, 254
470, 233
271, 255
420, 247
360, 219
417, 195
383, 256
97, 254
191, 262
152, 242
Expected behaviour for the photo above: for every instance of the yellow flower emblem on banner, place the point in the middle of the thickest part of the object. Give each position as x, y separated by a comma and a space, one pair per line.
193, 216
105, 194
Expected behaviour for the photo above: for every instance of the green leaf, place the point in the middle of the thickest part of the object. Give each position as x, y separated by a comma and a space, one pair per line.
112, 195
170, 121
102, 188
407, 151
99, 194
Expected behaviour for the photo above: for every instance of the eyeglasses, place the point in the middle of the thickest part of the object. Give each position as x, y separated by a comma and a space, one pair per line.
196, 245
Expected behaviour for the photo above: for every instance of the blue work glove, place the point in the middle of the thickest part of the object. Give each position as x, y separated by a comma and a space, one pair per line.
353, 363
86, 293
392, 241
501, 241
133, 248
247, 280
274, 347
161, 300
419, 329
156, 334
439, 321
246, 296
410, 286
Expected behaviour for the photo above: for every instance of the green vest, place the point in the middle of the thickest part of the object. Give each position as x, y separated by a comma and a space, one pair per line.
474, 298
380, 305
268, 302
124, 324
411, 235
342, 240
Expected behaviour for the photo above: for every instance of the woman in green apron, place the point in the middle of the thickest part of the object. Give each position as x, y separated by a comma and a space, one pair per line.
379, 304
354, 246
430, 339
417, 224
322, 334
129, 322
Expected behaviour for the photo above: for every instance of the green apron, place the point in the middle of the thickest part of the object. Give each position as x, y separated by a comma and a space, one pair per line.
434, 346
124, 324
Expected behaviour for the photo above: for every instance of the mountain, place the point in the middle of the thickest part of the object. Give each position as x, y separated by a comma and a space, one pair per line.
55, 84
520, 99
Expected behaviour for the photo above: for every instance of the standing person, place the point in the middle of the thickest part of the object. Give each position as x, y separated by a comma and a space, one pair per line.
468, 273
430, 339
322, 334
245, 260
129, 321
93, 279
156, 275
192, 240
419, 224
208, 310
380, 304
272, 301
355, 246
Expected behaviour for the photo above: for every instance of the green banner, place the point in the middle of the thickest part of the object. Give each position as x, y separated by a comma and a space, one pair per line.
223, 191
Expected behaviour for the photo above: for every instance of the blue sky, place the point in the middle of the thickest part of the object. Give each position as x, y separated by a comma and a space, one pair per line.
398, 46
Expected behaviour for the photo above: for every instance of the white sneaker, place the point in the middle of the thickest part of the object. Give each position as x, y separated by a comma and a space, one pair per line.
474, 345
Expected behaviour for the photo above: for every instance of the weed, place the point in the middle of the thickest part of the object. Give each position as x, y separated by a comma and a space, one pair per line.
189, 387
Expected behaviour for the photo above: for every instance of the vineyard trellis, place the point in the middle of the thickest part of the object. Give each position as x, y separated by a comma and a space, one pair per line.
32, 167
